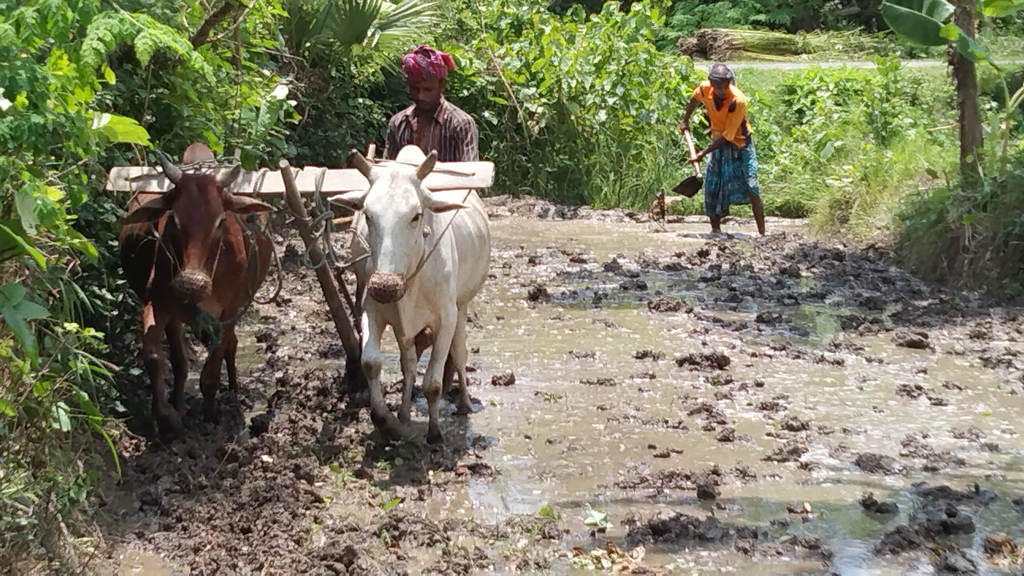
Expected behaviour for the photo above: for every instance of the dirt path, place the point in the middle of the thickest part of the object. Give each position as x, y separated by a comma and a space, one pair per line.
727, 403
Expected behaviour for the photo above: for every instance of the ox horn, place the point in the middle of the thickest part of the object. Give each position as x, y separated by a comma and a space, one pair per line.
172, 172
360, 162
225, 179
424, 169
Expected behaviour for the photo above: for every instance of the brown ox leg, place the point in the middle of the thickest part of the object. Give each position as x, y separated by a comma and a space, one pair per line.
179, 361
167, 418
209, 380
230, 342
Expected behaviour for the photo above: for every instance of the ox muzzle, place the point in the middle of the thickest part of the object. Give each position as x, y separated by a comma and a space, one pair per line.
386, 287
192, 286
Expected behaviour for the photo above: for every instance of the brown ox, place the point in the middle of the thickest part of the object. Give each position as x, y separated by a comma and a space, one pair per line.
198, 258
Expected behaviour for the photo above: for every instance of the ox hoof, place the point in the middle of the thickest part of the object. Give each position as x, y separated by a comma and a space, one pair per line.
169, 423
387, 424
464, 407
434, 436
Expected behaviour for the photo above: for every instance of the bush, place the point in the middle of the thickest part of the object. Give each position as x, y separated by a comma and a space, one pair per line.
80, 86
970, 236
576, 108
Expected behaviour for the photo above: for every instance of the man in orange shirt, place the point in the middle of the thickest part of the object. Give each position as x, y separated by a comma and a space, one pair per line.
731, 174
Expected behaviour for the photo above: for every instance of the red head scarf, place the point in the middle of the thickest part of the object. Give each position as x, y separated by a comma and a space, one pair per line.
425, 63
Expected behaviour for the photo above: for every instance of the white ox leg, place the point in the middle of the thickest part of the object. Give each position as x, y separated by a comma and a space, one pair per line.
409, 361
435, 370
373, 327
459, 355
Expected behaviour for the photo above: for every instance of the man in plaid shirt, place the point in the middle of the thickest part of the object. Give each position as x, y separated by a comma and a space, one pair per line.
431, 122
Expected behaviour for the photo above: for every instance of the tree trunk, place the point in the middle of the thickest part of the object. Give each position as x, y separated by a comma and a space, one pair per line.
966, 81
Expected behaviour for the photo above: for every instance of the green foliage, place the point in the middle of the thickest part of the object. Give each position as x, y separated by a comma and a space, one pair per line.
970, 236
575, 108
843, 145
85, 84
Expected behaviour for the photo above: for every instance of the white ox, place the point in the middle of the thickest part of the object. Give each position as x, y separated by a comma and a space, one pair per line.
427, 256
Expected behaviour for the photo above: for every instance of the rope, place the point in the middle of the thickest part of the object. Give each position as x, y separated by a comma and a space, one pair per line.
430, 252
325, 220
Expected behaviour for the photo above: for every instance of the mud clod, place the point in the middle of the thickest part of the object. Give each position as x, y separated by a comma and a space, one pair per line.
665, 305
956, 562
706, 490
794, 424
538, 293
676, 528
879, 464
885, 507
504, 380
704, 361
913, 340
649, 354
606, 382
792, 451
1000, 546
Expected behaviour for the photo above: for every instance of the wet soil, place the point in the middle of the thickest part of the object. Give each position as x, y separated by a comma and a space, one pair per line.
758, 405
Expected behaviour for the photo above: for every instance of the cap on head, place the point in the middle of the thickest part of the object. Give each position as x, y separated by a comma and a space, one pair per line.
721, 73
425, 63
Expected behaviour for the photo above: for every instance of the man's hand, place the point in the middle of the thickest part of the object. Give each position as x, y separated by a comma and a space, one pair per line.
684, 125
698, 156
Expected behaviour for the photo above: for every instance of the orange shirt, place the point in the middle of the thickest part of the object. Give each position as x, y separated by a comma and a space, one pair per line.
731, 118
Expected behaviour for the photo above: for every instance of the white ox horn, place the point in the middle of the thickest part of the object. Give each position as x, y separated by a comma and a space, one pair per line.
172, 172
427, 166
225, 179
355, 158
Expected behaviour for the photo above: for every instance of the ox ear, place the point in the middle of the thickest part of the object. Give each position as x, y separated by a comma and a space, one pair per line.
150, 211
437, 203
351, 200
245, 205
427, 166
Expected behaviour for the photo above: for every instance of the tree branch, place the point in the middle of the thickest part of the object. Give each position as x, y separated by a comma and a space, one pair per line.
202, 35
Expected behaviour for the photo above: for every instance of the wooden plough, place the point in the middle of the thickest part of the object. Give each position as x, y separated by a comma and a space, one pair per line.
293, 184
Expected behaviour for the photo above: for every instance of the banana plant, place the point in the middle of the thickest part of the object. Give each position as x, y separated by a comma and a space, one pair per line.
928, 22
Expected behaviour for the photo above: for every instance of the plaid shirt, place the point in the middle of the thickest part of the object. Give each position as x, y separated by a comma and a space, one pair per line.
452, 133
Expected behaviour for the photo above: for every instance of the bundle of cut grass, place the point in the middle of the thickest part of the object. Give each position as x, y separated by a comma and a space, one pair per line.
723, 44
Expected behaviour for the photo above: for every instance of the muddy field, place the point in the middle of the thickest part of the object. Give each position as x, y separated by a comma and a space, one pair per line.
646, 399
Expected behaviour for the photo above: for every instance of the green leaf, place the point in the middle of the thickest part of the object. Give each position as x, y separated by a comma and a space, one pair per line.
20, 242
11, 294
1000, 8
599, 519
920, 21
969, 219
6, 408
120, 129
25, 202
109, 75
82, 244
546, 511
61, 417
22, 332
31, 311
972, 50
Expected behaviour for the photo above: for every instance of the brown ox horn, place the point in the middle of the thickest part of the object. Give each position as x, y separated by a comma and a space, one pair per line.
225, 179
427, 166
172, 172
360, 162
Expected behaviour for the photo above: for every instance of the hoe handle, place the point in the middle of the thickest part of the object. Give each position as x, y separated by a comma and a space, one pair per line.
693, 152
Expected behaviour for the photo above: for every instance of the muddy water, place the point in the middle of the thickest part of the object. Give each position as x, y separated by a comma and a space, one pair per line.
588, 426
564, 443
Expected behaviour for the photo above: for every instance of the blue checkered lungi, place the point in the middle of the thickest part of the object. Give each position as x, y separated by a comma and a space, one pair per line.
731, 178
